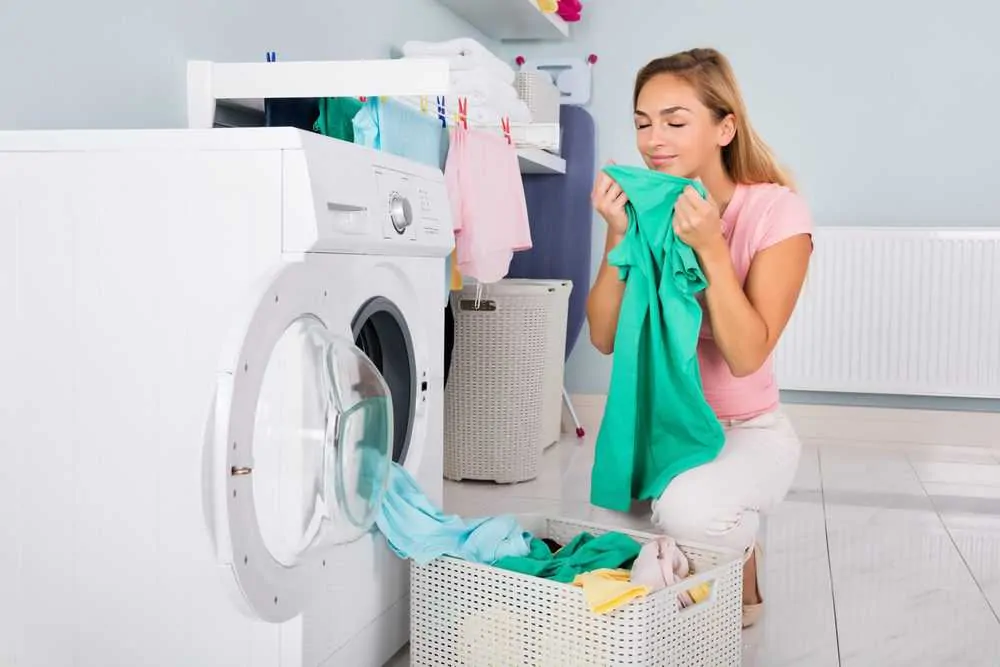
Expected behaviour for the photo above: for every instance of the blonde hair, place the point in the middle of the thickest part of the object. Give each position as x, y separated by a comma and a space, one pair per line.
747, 159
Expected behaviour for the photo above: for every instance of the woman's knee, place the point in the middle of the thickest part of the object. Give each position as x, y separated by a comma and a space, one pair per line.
688, 513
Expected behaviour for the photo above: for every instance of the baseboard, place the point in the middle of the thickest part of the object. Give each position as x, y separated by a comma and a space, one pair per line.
855, 423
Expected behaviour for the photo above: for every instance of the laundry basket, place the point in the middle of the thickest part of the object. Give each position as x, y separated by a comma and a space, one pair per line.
495, 398
555, 355
464, 613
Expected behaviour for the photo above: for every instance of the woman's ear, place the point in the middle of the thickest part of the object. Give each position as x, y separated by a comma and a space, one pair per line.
727, 130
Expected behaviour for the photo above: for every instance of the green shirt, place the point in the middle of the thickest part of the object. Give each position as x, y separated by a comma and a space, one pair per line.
657, 423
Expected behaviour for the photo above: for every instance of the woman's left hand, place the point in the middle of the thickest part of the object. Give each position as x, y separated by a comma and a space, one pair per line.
697, 221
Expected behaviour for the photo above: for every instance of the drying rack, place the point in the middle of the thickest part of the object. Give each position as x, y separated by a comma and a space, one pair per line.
247, 85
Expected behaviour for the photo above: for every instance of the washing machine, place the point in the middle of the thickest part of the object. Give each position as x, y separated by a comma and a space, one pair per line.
214, 342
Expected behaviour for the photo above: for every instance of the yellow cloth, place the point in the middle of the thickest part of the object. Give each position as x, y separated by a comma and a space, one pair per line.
607, 590
548, 6
456, 276
700, 592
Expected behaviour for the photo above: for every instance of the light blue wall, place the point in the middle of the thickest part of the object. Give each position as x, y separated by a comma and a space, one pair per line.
121, 63
882, 110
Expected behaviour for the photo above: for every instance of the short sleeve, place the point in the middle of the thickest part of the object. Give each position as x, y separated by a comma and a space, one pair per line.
789, 216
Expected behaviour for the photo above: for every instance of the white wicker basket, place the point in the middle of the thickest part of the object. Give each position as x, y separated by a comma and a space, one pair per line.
468, 614
555, 354
494, 399
540, 94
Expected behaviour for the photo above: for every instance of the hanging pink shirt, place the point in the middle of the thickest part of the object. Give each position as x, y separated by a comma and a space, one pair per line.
758, 217
489, 211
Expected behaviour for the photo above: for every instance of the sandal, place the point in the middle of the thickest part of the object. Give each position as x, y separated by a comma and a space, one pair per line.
753, 612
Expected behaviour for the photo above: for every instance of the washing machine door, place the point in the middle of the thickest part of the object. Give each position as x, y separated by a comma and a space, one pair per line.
303, 443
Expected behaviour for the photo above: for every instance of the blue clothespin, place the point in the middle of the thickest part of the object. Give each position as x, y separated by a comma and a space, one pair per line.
442, 116
271, 56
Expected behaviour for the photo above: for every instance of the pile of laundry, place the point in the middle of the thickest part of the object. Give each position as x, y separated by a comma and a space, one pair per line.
613, 569
478, 76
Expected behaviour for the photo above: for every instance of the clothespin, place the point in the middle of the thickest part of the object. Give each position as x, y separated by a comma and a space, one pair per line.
505, 126
271, 57
362, 99
463, 112
441, 111
592, 59
423, 104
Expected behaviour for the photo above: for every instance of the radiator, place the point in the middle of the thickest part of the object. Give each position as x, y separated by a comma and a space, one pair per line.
908, 311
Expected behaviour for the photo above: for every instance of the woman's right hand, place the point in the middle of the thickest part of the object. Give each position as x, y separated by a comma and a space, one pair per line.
609, 200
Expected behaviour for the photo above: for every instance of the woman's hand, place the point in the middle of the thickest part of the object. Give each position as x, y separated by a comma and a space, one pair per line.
697, 221
609, 200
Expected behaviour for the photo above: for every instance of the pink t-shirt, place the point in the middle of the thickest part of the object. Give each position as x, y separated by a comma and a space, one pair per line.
758, 216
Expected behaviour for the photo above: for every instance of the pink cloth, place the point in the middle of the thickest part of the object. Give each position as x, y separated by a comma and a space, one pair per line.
488, 208
660, 564
758, 216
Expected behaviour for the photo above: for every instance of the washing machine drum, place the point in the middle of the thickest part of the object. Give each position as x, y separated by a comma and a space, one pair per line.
305, 432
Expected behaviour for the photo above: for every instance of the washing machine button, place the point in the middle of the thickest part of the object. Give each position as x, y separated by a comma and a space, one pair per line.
400, 212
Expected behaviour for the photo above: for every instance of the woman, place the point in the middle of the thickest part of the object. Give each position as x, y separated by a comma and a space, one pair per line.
753, 239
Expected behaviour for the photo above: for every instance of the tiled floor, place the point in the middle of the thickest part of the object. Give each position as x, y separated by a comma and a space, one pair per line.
886, 552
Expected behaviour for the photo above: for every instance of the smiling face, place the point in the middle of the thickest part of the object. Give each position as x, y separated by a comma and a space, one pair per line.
675, 132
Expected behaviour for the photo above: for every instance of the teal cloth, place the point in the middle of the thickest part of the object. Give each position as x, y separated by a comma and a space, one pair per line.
336, 117
657, 423
414, 528
584, 553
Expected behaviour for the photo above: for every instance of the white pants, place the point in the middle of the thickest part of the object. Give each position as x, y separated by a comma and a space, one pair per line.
720, 503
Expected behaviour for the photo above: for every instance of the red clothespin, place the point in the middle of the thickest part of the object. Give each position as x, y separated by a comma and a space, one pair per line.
520, 61
505, 126
362, 99
463, 112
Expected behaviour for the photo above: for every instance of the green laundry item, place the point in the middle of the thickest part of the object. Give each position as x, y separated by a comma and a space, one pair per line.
584, 553
657, 423
336, 116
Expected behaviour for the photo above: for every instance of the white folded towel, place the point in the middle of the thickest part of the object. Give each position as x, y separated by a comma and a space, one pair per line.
481, 80
463, 53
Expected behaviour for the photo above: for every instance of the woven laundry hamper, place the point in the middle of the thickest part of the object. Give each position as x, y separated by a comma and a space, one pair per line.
540, 94
496, 395
555, 355
464, 613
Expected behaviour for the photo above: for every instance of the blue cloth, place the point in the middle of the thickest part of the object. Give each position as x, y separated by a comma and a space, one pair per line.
396, 128
415, 529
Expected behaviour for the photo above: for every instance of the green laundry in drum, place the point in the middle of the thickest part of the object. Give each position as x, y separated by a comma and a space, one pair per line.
584, 553
336, 116
657, 423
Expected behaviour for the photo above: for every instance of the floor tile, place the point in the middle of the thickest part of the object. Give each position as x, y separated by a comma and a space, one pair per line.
853, 469
978, 540
798, 626
958, 473
903, 592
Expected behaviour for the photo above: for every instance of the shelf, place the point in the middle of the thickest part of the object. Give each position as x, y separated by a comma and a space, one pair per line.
246, 84
537, 161
510, 20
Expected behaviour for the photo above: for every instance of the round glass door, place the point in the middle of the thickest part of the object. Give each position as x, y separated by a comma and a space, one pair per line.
323, 434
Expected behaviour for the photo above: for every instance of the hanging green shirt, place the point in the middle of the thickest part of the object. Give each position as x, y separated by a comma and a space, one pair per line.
657, 423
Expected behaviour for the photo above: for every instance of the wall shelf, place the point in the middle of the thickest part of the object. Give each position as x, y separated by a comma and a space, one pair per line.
537, 161
510, 20
244, 86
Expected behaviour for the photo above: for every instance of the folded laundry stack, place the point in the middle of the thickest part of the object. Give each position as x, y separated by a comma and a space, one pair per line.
477, 75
